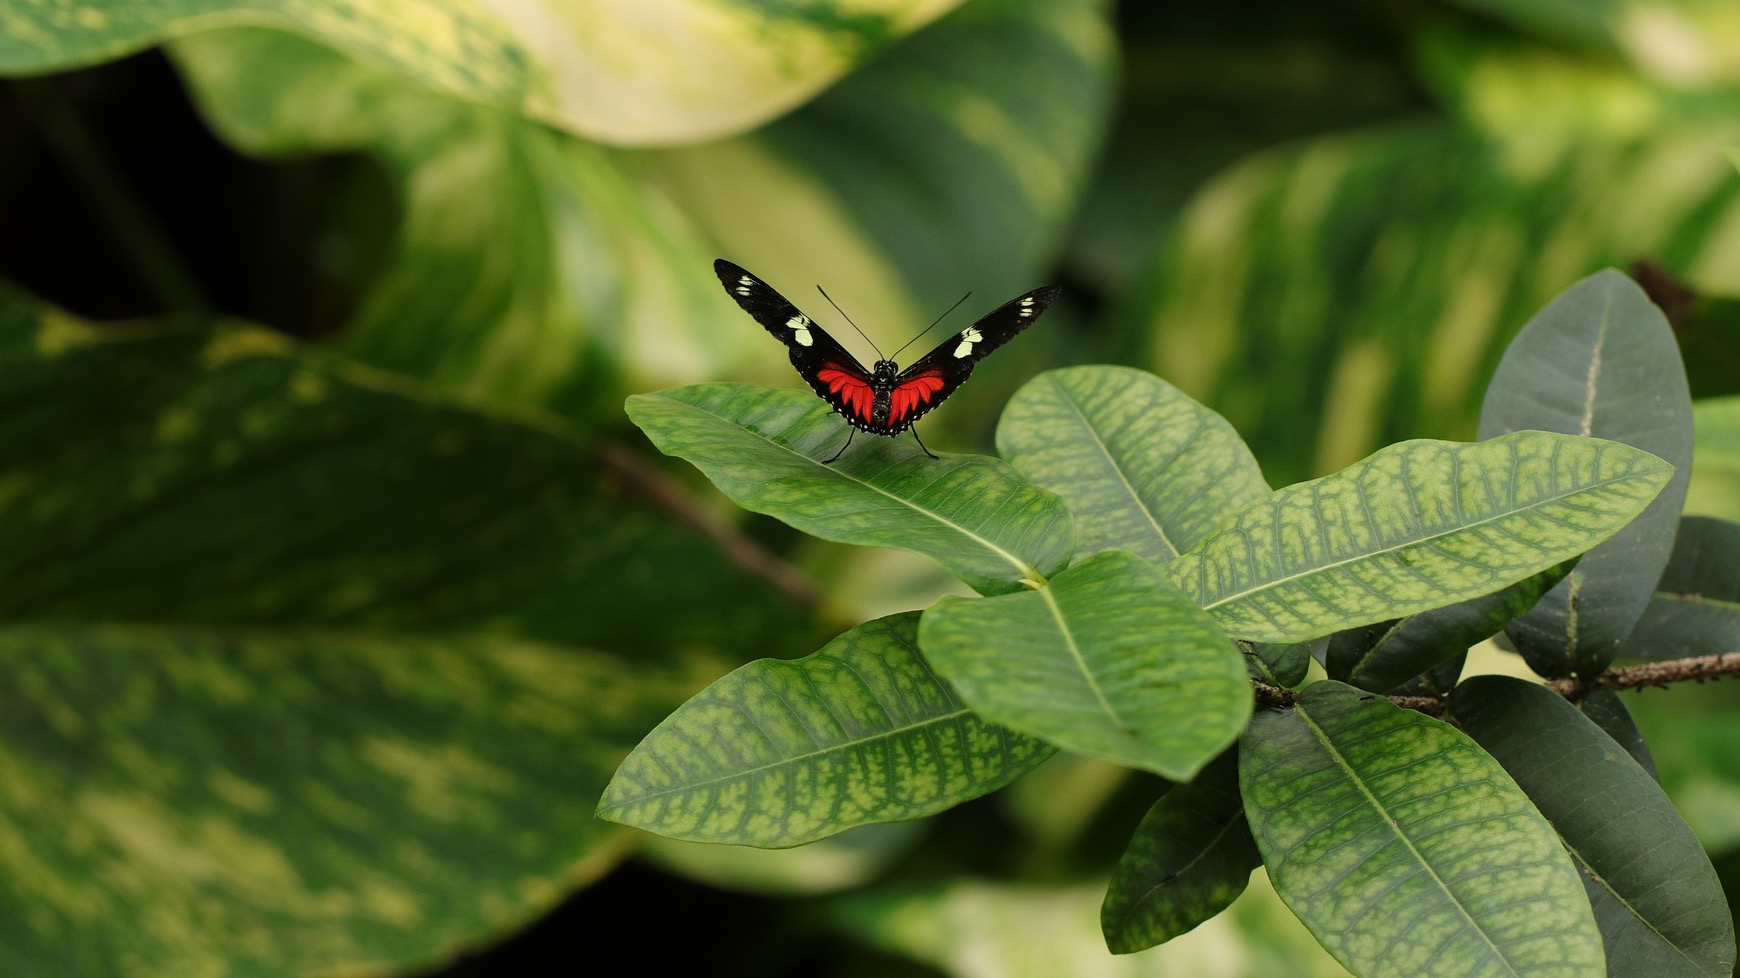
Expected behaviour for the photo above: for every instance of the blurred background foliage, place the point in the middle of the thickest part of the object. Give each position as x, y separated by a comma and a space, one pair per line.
336, 581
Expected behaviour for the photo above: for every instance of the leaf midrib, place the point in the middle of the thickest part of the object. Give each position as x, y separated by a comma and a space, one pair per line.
1118, 470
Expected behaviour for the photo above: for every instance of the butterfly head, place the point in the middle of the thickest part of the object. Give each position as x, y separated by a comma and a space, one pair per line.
886, 370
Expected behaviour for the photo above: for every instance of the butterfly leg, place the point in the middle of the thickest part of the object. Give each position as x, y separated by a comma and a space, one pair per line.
850, 434
920, 441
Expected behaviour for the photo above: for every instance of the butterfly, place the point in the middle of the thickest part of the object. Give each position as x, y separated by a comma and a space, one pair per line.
884, 400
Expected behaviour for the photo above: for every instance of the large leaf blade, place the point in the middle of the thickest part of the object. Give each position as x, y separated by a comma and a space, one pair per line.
1143, 467
206, 801
1418, 525
780, 753
1599, 360
1403, 846
764, 449
1109, 660
1660, 914
697, 70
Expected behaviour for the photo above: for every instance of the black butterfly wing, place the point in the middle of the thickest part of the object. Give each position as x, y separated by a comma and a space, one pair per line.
834, 374
933, 377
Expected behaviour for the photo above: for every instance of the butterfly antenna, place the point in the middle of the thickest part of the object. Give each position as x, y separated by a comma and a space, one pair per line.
932, 326
848, 319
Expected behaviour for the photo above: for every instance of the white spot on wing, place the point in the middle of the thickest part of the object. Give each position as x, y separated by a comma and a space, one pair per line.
969, 336
800, 325
745, 280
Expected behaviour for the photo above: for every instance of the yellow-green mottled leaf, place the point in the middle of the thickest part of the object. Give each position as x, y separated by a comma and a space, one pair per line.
229, 476
1688, 43
780, 753
648, 72
186, 801
1143, 467
1418, 525
1355, 290
764, 448
1109, 660
1406, 848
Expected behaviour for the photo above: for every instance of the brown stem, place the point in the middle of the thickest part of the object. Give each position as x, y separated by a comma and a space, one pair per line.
661, 492
1648, 674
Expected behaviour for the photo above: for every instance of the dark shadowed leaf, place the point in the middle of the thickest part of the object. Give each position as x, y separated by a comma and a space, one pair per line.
1416, 526
1696, 606
1607, 709
1405, 848
779, 753
1191, 856
1656, 896
764, 449
1381, 657
1143, 467
1110, 661
1598, 361
1285, 664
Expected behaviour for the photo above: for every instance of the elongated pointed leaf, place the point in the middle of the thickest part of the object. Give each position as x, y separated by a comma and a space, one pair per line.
1407, 849
1285, 664
1191, 856
1110, 660
188, 801
1143, 467
1656, 896
1381, 658
779, 753
1696, 606
1418, 525
1600, 360
687, 72
764, 449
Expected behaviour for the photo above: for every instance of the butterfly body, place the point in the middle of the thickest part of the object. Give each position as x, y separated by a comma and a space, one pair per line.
883, 400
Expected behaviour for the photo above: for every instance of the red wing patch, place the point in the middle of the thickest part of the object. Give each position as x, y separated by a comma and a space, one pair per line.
909, 395
852, 389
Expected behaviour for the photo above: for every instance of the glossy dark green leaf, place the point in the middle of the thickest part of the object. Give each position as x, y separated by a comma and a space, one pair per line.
1143, 467
764, 449
779, 753
1607, 709
188, 801
715, 69
1696, 606
1598, 361
1190, 857
1436, 681
1418, 525
1405, 848
1109, 660
1380, 658
1655, 894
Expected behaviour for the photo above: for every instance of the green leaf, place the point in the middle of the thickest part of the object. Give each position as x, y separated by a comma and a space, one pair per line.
1418, 525
780, 753
1379, 658
1599, 361
763, 448
1607, 710
1191, 856
1405, 848
1109, 660
610, 74
230, 477
187, 801
1656, 896
1143, 467
1696, 606
1283, 665
1701, 50
1322, 334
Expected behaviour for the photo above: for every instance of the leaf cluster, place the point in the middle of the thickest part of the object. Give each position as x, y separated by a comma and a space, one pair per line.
1140, 582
